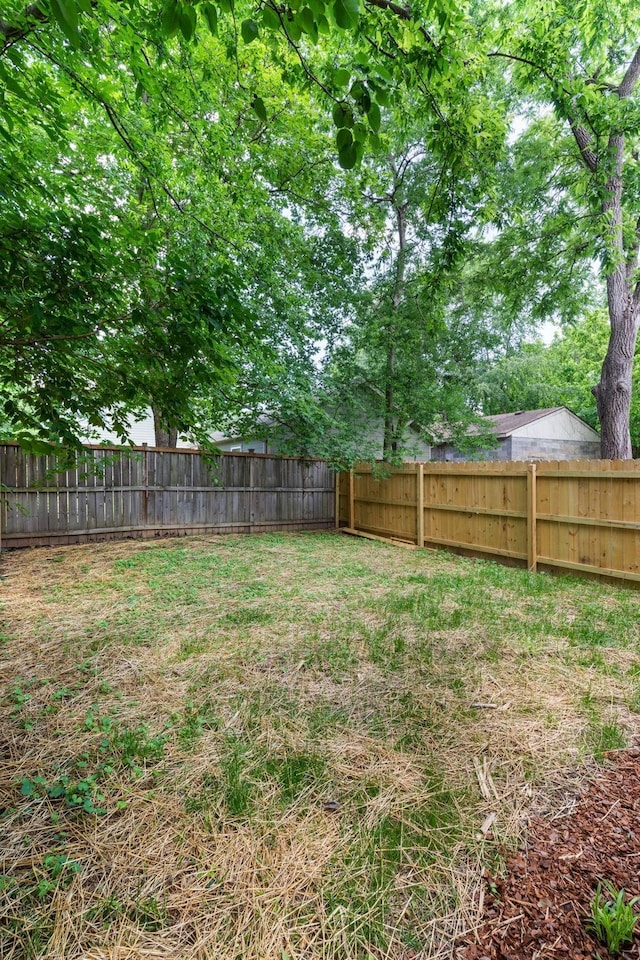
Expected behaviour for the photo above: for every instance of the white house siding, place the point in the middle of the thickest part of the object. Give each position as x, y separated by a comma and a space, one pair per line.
560, 425
141, 433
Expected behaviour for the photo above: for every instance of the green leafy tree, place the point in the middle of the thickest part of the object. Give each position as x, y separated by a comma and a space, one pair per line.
580, 64
156, 204
562, 373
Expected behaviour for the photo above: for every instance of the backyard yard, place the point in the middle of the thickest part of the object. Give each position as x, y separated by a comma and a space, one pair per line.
287, 747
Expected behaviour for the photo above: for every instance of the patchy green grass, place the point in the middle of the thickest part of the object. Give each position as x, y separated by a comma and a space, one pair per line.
284, 746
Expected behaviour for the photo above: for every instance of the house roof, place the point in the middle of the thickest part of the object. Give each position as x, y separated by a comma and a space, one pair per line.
504, 424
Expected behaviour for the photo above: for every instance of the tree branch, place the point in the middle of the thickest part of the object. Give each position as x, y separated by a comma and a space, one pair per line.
632, 256
11, 32
583, 138
404, 13
631, 77
35, 341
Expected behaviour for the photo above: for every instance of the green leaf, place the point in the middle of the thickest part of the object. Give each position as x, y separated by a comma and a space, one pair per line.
257, 105
343, 139
373, 117
270, 18
347, 157
226, 5
324, 26
306, 20
353, 8
294, 29
28, 788
11, 85
187, 20
66, 16
211, 16
342, 116
382, 72
341, 77
341, 15
170, 19
360, 132
249, 30
69, 11
318, 7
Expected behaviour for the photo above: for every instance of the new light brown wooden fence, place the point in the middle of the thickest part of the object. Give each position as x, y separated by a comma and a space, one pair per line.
574, 515
110, 493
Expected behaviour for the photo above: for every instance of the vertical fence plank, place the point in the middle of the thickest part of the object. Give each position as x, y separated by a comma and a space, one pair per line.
352, 500
532, 526
420, 504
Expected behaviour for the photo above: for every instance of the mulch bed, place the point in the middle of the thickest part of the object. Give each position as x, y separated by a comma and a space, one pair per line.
538, 911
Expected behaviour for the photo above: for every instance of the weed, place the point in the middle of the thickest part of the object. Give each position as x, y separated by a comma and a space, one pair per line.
83, 794
194, 722
296, 772
613, 921
604, 737
236, 787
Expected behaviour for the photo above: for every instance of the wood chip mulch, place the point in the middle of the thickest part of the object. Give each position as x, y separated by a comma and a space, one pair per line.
539, 910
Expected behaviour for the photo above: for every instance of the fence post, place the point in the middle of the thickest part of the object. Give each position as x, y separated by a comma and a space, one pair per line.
352, 500
338, 476
252, 499
420, 504
532, 544
145, 485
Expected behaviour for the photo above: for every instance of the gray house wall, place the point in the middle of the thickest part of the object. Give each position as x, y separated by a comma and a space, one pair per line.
530, 448
445, 451
525, 448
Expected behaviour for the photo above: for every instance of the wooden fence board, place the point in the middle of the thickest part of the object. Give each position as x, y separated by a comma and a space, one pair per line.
576, 515
146, 492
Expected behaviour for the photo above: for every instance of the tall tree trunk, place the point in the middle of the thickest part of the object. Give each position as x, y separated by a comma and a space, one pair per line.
391, 424
389, 442
165, 436
613, 392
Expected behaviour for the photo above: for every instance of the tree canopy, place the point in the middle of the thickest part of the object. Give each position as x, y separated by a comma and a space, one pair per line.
200, 201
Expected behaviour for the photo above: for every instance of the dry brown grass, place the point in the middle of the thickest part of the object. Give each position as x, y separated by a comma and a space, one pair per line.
225, 689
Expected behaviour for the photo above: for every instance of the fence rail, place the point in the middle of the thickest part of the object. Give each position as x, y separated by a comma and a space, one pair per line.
581, 516
110, 493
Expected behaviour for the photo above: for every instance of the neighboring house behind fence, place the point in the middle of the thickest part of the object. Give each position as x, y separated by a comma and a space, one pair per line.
552, 434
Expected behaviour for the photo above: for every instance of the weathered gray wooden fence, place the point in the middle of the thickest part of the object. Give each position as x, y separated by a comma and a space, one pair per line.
110, 493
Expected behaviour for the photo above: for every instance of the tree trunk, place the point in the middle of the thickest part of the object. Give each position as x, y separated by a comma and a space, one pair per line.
391, 425
613, 392
165, 436
389, 444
